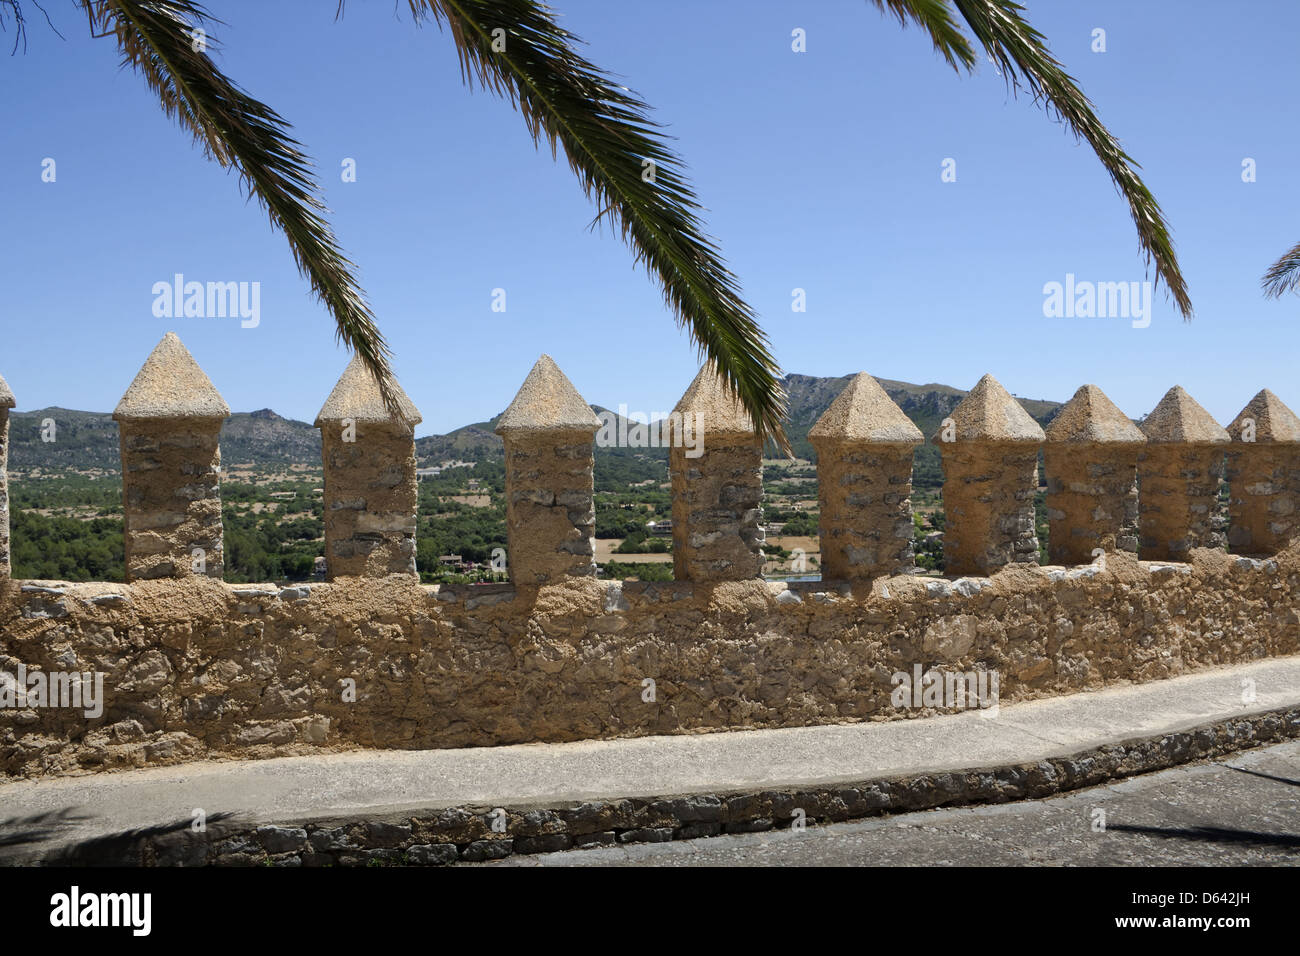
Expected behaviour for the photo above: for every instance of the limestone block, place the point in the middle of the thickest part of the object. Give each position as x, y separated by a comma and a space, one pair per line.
990, 468
717, 494
864, 446
548, 432
1179, 474
1263, 473
370, 481
1090, 461
169, 422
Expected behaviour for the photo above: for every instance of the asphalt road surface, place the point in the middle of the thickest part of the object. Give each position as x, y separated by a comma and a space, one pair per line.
1243, 809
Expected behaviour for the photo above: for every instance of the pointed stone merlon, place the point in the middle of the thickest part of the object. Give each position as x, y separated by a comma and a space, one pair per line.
990, 476
715, 459
6, 403
548, 432
1179, 472
370, 481
169, 422
865, 445
1263, 472
1090, 460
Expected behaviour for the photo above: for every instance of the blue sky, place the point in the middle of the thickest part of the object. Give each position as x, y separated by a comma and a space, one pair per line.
819, 170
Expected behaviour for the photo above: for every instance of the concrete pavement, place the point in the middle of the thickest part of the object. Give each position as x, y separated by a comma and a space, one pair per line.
1241, 810
39, 816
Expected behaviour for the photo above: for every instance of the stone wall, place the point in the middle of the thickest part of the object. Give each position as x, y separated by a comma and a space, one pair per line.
988, 503
1264, 483
717, 520
550, 518
866, 511
1093, 501
199, 668
4, 489
171, 499
192, 667
1178, 500
370, 501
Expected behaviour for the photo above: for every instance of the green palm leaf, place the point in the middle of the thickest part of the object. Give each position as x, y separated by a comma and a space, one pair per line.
1021, 53
156, 40
607, 136
1283, 275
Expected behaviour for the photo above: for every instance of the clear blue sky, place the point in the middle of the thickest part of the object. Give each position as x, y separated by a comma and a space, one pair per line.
819, 170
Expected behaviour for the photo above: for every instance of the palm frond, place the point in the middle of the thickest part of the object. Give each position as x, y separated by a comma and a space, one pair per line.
607, 137
238, 131
1284, 275
1021, 53
935, 18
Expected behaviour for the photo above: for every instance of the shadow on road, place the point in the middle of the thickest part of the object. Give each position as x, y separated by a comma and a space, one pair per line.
1267, 776
113, 849
21, 831
1215, 835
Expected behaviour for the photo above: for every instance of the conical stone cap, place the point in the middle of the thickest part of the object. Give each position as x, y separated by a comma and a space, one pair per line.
1090, 418
1274, 422
1179, 418
356, 396
547, 402
717, 409
989, 414
865, 414
170, 384
6, 396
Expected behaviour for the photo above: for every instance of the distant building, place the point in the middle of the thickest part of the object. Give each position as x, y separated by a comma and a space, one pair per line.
318, 568
664, 527
426, 474
451, 560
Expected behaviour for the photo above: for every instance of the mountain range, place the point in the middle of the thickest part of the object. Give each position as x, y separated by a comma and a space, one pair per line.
88, 440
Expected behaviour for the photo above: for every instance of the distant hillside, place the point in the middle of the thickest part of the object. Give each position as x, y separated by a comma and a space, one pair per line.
263, 436
89, 439
926, 405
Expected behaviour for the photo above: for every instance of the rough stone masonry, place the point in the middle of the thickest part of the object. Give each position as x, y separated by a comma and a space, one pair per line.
370, 481
550, 509
990, 476
6, 403
717, 496
865, 446
1090, 461
198, 668
169, 421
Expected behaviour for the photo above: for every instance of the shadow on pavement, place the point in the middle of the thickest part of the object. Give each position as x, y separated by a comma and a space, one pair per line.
1215, 835
1267, 776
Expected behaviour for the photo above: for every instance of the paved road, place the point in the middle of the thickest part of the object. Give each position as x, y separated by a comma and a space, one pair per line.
1241, 810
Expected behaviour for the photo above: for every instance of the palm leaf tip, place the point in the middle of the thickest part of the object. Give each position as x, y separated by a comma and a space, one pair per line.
1020, 53
237, 131
606, 134
1283, 276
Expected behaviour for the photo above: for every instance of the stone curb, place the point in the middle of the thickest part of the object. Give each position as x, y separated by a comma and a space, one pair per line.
479, 833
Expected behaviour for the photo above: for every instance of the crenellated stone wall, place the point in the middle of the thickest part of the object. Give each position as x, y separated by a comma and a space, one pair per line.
183, 666
198, 668
169, 422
